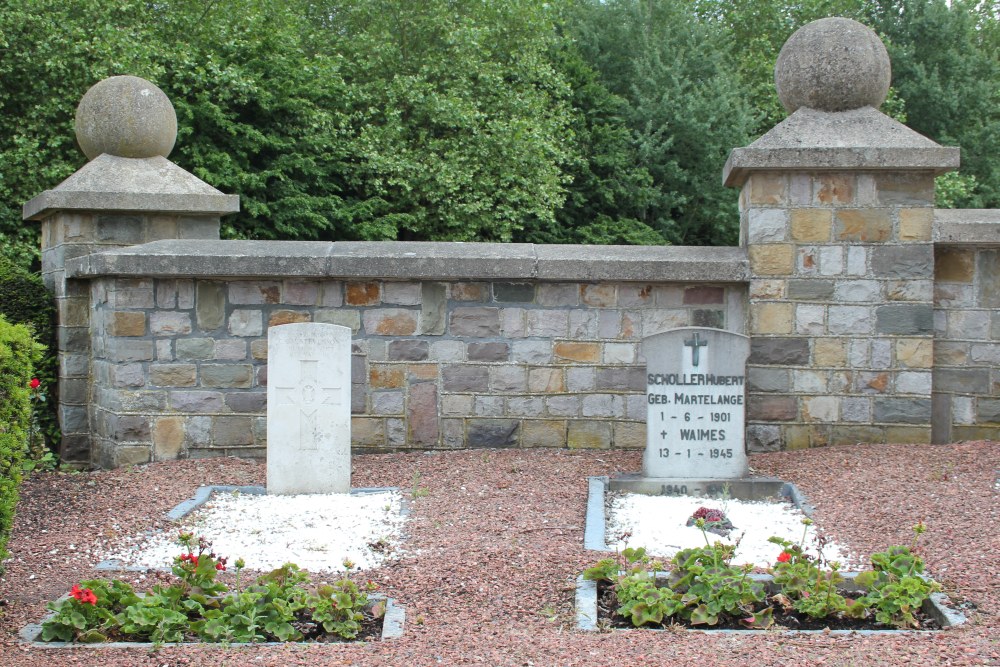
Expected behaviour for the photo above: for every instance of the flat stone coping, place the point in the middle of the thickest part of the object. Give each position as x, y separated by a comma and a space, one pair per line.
415, 261
392, 628
935, 607
750, 488
967, 226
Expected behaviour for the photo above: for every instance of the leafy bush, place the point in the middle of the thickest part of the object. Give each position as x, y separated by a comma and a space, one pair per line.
17, 352
24, 299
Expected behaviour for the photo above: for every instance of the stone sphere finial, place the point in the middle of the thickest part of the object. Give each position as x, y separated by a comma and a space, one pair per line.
125, 116
833, 64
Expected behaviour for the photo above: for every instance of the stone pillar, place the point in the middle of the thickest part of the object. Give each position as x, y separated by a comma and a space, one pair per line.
127, 194
836, 211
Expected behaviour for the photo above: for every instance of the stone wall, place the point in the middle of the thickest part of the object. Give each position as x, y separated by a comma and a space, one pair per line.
498, 358
966, 325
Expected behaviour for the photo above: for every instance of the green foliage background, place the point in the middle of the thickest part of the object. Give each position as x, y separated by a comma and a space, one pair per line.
570, 121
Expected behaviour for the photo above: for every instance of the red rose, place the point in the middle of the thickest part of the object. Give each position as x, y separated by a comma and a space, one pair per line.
35, 383
784, 557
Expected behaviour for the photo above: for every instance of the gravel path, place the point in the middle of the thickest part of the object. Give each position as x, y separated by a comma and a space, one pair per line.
495, 542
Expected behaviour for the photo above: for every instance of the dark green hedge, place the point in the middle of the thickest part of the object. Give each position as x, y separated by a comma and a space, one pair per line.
17, 352
24, 299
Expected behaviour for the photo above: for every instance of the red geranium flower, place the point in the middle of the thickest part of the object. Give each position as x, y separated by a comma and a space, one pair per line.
84, 595
784, 557
35, 383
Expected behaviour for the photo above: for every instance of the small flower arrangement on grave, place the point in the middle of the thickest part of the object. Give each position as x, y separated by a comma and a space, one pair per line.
278, 606
702, 588
715, 521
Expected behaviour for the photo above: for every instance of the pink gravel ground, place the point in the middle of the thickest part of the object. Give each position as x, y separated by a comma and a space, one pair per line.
486, 574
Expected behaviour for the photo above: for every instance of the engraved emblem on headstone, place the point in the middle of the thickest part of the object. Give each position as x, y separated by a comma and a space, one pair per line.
694, 344
304, 396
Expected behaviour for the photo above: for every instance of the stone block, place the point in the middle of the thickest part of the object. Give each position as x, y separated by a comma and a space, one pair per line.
855, 409
173, 375
284, 316
345, 318
702, 295
457, 404
469, 291
658, 321
583, 323
234, 376
129, 349
387, 402
809, 382
766, 189
589, 435
250, 293
210, 305
122, 457
453, 433
465, 378
831, 260
531, 351
547, 323
168, 438
915, 224
821, 408
916, 435
525, 406
830, 352
635, 295
258, 349
807, 260
598, 296
811, 225
573, 352
546, 380
433, 308
408, 350
872, 225
563, 406
776, 259
849, 320
834, 189
508, 378
809, 290
422, 372
494, 352
910, 290
779, 351
401, 293
989, 278
298, 293
382, 376
962, 380
247, 401
359, 398
914, 353
809, 320
543, 433
903, 261
618, 378
619, 353
858, 291
914, 382
475, 322
362, 293
764, 438
902, 410
332, 294
126, 323
488, 406
246, 323
969, 325
768, 379
954, 265
712, 319
390, 322
130, 428
904, 189
852, 435
771, 318
230, 349
767, 225
493, 432
772, 408
602, 405
194, 348
857, 261
422, 415
609, 323
169, 323
512, 323
514, 292
558, 294
629, 435
905, 319
580, 378
447, 350
769, 289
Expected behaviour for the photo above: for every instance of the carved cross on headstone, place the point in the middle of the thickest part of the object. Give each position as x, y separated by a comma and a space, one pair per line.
304, 395
694, 344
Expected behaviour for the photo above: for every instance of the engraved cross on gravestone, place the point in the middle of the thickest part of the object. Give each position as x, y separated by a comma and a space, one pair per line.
308, 411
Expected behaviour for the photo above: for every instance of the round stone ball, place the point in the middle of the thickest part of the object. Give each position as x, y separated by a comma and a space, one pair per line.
125, 116
833, 64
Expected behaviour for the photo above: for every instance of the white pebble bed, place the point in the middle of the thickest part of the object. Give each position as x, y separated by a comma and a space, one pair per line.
658, 524
316, 532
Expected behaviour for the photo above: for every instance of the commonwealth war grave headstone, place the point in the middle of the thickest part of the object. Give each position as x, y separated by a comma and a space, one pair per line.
308, 409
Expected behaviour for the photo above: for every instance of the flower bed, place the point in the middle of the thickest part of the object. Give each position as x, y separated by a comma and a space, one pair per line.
703, 590
280, 606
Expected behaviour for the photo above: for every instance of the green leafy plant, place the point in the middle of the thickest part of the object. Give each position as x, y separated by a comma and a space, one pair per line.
805, 585
278, 606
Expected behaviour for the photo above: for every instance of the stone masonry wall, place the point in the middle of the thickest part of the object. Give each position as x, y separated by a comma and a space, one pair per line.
179, 365
967, 342
841, 313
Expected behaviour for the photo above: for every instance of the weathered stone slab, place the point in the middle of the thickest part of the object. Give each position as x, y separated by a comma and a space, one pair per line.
696, 404
309, 409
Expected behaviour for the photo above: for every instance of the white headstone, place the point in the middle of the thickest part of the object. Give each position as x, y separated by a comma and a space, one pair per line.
696, 404
308, 409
